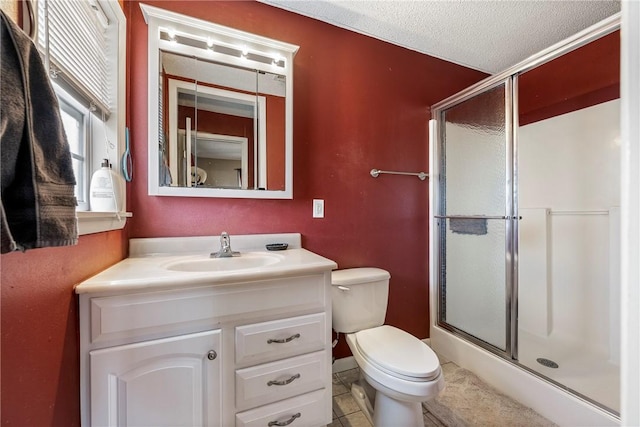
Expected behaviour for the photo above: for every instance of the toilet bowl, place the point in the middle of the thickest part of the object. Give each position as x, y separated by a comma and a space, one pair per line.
398, 371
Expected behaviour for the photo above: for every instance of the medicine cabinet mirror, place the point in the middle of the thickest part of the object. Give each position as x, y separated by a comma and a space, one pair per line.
220, 110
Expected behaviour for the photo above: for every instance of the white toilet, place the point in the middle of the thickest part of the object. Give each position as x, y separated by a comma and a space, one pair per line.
398, 371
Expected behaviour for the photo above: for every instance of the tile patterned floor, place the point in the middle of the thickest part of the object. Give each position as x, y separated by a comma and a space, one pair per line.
467, 402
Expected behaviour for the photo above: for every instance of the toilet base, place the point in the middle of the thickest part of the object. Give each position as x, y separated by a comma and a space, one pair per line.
389, 412
384, 411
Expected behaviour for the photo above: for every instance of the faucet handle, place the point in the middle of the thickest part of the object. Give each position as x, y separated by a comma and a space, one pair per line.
225, 247
224, 239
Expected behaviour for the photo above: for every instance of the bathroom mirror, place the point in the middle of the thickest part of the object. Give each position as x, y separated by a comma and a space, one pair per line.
220, 110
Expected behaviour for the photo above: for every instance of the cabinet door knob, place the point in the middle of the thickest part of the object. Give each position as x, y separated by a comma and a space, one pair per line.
285, 423
212, 355
284, 382
291, 338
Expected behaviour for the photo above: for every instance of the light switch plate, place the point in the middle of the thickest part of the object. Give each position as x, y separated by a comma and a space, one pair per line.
318, 208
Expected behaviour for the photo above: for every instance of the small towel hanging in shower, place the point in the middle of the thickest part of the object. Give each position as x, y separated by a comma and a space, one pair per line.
474, 226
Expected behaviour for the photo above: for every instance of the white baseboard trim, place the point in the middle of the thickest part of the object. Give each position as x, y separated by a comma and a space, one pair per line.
344, 364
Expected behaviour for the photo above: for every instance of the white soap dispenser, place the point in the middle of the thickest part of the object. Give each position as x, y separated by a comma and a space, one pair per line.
105, 191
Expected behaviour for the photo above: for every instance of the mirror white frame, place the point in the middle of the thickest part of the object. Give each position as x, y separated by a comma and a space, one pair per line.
282, 53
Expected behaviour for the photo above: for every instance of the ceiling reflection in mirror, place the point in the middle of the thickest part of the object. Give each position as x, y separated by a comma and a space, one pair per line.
222, 126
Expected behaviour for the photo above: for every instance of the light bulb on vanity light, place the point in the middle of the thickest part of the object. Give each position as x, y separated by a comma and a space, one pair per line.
277, 60
172, 36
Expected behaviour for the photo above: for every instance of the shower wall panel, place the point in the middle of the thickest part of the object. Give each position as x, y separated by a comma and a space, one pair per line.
571, 169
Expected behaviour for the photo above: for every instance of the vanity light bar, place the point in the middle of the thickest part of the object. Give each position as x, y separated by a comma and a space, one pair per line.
210, 45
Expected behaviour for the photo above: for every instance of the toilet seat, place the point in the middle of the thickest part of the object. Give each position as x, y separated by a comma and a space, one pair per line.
398, 353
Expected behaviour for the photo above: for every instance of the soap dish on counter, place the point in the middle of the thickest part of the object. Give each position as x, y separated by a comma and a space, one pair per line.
277, 246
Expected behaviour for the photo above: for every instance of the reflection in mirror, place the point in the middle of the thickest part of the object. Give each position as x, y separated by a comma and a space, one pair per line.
220, 110
222, 161
271, 87
240, 111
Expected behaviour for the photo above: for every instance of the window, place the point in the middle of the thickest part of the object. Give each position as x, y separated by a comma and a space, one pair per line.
73, 120
83, 45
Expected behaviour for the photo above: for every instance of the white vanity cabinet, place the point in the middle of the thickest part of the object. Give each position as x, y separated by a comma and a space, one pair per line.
243, 353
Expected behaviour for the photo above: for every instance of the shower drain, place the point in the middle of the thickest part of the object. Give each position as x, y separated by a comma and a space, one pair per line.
546, 362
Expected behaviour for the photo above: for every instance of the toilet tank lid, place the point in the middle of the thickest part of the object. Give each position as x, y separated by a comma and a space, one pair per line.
354, 276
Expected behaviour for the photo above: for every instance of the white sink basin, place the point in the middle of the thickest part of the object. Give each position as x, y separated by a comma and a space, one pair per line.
243, 262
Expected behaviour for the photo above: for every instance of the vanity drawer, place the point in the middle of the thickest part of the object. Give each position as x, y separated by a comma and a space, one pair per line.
277, 339
279, 380
152, 314
308, 410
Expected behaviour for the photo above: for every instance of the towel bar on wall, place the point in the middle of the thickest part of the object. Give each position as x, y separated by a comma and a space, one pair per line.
375, 172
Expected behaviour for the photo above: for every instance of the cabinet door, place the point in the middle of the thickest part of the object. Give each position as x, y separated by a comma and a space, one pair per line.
169, 382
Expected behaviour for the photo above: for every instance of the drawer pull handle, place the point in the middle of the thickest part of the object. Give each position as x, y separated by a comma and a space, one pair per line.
286, 340
285, 382
212, 355
285, 423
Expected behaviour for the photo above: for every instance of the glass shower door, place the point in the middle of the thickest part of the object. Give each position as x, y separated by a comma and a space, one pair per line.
474, 218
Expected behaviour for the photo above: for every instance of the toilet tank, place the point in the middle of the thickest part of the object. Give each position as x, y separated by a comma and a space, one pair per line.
359, 298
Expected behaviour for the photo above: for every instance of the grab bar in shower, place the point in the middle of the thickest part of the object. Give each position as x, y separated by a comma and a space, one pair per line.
375, 172
603, 212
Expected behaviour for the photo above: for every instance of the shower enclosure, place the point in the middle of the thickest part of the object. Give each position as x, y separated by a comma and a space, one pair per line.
525, 209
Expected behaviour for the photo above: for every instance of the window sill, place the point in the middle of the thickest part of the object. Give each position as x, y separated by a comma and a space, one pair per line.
96, 222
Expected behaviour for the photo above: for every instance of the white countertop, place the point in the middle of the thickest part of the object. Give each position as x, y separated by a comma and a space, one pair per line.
148, 269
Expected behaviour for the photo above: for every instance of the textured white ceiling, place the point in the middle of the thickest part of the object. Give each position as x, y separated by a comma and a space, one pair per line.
486, 35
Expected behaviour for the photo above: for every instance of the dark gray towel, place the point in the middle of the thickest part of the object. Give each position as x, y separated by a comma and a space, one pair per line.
475, 226
38, 202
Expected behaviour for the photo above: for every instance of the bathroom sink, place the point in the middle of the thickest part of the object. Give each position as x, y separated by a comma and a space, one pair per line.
243, 262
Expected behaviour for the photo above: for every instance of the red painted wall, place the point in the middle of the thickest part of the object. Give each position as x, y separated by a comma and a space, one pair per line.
554, 88
40, 351
359, 103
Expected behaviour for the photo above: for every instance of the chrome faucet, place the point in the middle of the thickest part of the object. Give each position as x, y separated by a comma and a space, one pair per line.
225, 247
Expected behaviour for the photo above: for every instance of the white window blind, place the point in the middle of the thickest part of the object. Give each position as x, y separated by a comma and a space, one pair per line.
72, 35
